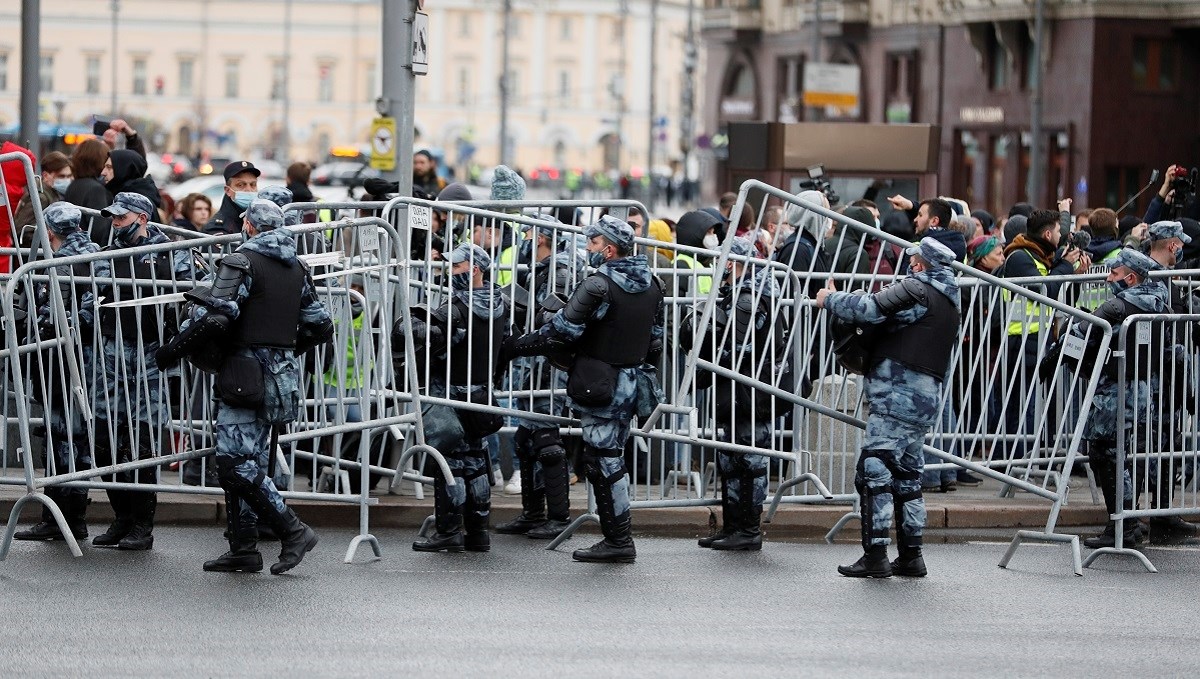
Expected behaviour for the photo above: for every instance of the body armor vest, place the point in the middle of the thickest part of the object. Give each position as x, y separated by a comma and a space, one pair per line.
153, 319
270, 316
926, 345
622, 337
471, 360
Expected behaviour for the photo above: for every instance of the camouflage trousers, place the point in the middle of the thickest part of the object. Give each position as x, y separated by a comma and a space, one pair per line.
888, 479
745, 472
243, 442
69, 444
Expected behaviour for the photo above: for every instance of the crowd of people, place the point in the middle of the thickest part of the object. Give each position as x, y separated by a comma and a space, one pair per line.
608, 306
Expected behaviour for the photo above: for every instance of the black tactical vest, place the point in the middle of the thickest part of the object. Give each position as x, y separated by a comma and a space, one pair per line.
270, 316
153, 319
622, 337
926, 345
471, 361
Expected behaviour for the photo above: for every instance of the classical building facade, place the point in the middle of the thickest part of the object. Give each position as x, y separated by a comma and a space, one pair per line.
213, 75
1120, 92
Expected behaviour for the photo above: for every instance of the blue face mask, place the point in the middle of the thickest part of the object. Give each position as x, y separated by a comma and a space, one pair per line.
461, 281
596, 258
1118, 286
1179, 255
61, 185
243, 198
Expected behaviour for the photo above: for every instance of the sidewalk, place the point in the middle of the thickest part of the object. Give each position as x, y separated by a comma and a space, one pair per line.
968, 509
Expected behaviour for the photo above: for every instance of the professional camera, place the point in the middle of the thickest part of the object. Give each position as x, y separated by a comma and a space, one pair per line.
1183, 187
1078, 240
816, 182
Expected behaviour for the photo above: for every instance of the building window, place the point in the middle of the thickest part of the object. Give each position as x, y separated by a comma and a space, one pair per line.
139, 75
46, 73
564, 88
998, 63
1121, 184
92, 73
187, 70
3, 71
464, 85
564, 28
901, 88
325, 82
232, 84
1155, 65
278, 79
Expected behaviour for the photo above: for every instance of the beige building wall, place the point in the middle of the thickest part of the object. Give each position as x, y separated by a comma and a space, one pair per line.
188, 66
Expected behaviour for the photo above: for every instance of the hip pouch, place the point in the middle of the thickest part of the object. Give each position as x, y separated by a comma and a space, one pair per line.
592, 383
240, 382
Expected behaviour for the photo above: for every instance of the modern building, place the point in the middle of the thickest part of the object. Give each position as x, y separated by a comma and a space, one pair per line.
213, 76
1120, 91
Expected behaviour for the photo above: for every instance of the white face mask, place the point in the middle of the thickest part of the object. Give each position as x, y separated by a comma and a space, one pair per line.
712, 242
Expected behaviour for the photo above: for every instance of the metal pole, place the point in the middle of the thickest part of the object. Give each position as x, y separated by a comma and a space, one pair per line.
31, 81
815, 113
506, 21
619, 85
399, 85
687, 131
652, 104
1035, 186
116, 8
285, 149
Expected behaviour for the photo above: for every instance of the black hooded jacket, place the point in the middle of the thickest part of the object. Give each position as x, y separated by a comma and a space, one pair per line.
129, 174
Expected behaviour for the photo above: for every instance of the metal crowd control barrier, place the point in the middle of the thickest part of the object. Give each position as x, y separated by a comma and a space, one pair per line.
62, 371
1158, 425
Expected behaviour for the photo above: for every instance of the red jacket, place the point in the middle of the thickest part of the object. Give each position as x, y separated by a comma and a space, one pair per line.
15, 184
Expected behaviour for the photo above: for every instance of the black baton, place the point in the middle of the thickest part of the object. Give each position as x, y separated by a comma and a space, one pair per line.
271, 452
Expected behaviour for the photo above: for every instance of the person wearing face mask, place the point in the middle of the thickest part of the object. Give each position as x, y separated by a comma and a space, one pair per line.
66, 428
241, 188
1134, 292
463, 340
56, 179
130, 399
555, 268
752, 347
261, 311
697, 229
614, 323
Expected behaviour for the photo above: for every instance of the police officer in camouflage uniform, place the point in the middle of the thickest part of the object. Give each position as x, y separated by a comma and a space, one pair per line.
281, 196
614, 323
464, 339
1133, 293
555, 268
920, 314
67, 430
261, 311
129, 400
752, 347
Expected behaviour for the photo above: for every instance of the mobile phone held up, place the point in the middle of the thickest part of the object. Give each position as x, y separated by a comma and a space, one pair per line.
100, 125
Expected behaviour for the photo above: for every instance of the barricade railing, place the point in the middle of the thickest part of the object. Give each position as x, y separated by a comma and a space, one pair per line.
152, 420
1153, 390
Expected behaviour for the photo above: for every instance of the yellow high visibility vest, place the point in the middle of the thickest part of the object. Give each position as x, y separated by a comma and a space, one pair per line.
703, 283
1029, 315
504, 273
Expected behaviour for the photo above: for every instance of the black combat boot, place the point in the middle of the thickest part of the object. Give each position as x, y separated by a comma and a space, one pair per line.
448, 522
74, 509
243, 555
910, 563
748, 536
617, 545
295, 539
728, 518
873, 564
1172, 530
1105, 471
141, 536
123, 519
533, 504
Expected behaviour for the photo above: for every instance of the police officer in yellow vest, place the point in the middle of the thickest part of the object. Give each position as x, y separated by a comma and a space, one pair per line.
1032, 254
695, 229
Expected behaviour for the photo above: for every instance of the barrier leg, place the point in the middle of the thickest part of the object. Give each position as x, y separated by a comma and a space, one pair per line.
841, 523
792, 483
1022, 535
1119, 549
426, 525
1087, 467
364, 534
15, 515
570, 530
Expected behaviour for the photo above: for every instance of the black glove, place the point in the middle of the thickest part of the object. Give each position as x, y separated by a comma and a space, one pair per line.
165, 356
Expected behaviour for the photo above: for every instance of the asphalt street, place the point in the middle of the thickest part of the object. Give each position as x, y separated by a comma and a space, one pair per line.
522, 611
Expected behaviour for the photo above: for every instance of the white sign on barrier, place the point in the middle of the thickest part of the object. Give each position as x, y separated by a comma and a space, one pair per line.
420, 217
368, 238
1073, 346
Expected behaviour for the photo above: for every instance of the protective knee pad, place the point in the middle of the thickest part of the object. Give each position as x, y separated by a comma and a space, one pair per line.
909, 529
523, 443
233, 482
548, 446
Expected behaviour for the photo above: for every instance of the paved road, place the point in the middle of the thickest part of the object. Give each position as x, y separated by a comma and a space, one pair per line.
521, 611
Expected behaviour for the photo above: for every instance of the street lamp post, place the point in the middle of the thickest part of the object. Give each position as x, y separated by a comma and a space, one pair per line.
116, 9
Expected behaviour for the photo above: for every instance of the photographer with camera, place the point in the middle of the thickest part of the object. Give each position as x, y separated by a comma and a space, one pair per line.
1175, 198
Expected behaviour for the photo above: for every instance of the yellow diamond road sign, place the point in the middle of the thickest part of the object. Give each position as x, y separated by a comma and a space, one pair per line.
383, 144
